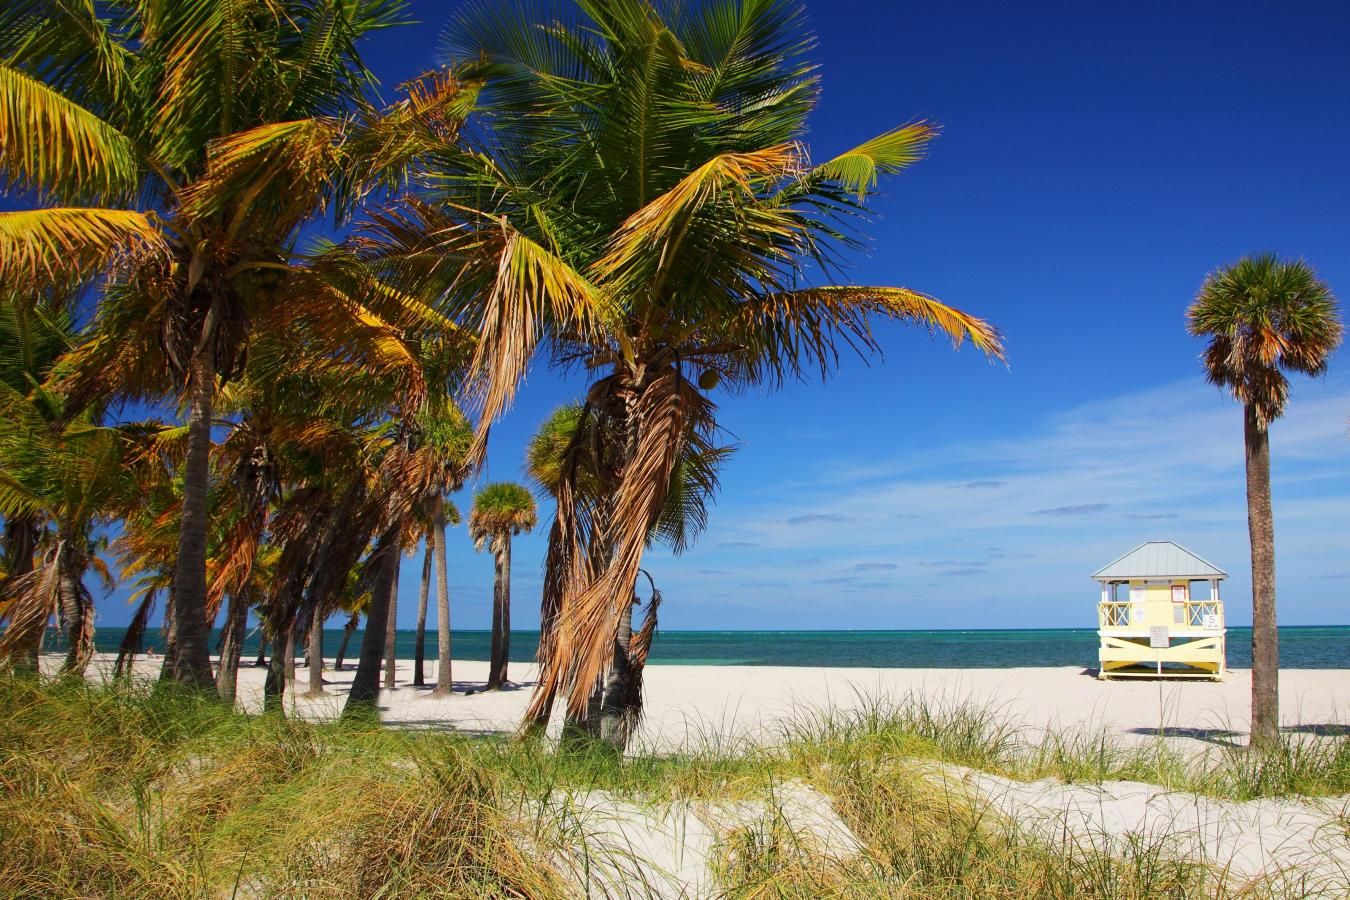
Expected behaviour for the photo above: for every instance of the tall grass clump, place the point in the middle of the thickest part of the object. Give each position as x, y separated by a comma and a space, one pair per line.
127, 791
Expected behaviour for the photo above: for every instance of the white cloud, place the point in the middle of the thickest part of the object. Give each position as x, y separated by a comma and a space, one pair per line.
1051, 505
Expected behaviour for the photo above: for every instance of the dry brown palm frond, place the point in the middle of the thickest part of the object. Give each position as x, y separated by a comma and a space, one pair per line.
134, 638
532, 285
30, 600
583, 649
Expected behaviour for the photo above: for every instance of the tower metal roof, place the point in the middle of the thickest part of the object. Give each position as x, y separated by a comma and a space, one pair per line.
1158, 559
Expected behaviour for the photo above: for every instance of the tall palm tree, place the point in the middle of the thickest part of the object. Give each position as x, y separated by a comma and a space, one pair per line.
444, 513
500, 511
1263, 317
642, 205
189, 142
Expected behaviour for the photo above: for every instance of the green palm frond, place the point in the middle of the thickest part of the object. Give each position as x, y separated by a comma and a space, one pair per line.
51, 144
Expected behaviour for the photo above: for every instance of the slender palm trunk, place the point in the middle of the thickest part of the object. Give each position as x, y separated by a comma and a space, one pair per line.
261, 661
316, 651
288, 654
347, 630
391, 628
231, 647
366, 684
443, 682
1265, 637
188, 658
501, 613
420, 642
20, 545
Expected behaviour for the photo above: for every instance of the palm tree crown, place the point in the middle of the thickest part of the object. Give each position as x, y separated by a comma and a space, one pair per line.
502, 508
1263, 315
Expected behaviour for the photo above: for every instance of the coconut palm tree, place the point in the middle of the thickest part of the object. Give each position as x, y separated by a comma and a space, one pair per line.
75, 479
641, 204
1263, 317
500, 511
572, 447
186, 144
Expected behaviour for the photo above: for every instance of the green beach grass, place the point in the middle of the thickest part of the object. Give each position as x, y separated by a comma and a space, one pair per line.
121, 791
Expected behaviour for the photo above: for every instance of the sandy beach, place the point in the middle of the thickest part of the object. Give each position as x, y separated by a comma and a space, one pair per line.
690, 706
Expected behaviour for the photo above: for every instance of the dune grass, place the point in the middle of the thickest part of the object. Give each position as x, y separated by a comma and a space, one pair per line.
121, 791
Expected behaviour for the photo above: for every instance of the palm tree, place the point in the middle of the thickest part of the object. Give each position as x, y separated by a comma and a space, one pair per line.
500, 511
1263, 316
190, 142
32, 338
75, 479
641, 205
572, 456
420, 635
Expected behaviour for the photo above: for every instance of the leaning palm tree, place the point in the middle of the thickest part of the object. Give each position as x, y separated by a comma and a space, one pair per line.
642, 205
500, 511
1264, 316
183, 146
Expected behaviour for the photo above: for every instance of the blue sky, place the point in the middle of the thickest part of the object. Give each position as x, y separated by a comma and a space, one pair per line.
1095, 163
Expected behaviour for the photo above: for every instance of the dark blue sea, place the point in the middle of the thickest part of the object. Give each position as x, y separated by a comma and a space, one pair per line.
1303, 647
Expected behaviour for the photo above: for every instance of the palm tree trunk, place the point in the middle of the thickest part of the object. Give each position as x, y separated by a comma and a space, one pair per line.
613, 703
391, 628
501, 615
231, 647
316, 651
261, 661
443, 682
366, 684
288, 654
76, 609
420, 642
20, 545
1265, 637
347, 630
495, 653
188, 659
274, 688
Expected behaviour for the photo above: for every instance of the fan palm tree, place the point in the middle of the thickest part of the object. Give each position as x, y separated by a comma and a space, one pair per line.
1264, 316
500, 511
186, 144
642, 204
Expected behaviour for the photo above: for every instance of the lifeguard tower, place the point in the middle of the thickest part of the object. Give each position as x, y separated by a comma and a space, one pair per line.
1161, 615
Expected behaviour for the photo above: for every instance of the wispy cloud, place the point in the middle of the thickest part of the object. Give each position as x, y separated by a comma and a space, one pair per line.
1147, 516
1076, 509
874, 567
978, 485
813, 518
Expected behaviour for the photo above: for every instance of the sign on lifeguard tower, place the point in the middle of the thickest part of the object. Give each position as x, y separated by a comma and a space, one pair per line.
1160, 614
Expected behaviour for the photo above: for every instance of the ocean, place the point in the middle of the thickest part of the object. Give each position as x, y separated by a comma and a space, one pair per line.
1301, 647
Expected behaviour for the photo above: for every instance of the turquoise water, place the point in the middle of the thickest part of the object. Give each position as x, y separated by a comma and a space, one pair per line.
1311, 647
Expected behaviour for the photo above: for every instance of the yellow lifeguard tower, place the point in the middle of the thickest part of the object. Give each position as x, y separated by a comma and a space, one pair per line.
1153, 620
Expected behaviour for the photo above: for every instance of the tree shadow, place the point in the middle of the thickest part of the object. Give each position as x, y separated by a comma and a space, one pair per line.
1221, 737
1323, 729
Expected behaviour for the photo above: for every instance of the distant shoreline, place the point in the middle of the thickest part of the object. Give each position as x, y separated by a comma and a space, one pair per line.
1301, 647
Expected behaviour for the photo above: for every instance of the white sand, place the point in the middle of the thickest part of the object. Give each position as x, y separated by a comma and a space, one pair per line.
691, 706
663, 850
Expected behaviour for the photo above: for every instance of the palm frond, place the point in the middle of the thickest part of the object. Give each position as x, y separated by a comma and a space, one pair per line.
52, 145
61, 243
